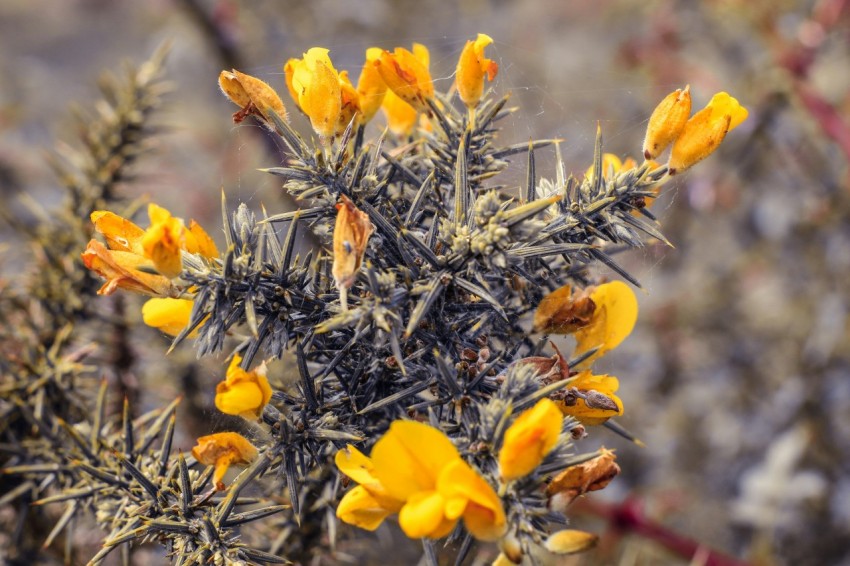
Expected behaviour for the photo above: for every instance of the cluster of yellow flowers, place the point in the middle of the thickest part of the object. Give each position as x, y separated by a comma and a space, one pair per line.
432, 489
398, 81
146, 261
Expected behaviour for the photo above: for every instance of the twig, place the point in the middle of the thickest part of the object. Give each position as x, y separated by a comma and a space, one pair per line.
628, 517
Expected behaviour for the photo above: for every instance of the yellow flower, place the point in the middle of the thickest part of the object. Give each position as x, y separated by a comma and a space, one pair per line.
371, 88
529, 439
406, 74
252, 95
164, 241
168, 315
612, 321
125, 270
351, 234
472, 68
315, 86
704, 131
416, 470
401, 116
243, 393
594, 401
222, 450
666, 122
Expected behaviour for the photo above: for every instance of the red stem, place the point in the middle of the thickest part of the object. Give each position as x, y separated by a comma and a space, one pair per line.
628, 517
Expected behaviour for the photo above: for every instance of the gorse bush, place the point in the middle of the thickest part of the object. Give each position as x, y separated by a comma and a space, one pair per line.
419, 327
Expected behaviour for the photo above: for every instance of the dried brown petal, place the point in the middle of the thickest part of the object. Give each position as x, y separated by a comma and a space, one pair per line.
351, 234
561, 312
589, 476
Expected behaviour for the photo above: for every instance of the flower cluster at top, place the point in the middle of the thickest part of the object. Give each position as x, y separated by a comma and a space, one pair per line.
420, 325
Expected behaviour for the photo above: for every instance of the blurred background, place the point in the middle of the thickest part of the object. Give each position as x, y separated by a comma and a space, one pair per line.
737, 377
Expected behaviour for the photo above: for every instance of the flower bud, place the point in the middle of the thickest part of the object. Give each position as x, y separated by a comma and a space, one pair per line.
472, 68
705, 130
351, 234
666, 122
251, 94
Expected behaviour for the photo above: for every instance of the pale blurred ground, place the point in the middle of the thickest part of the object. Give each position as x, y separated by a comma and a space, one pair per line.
738, 374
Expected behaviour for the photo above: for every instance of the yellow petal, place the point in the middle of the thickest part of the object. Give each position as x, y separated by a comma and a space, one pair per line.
410, 456
316, 84
371, 88
242, 392
163, 241
570, 541
199, 242
470, 494
401, 116
613, 320
355, 464
360, 509
666, 122
168, 315
529, 439
423, 516
723, 104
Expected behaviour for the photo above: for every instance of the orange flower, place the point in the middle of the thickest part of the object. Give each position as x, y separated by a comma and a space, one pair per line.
406, 74
223, 449
252, 95
125, 270
134, 253
472, 68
